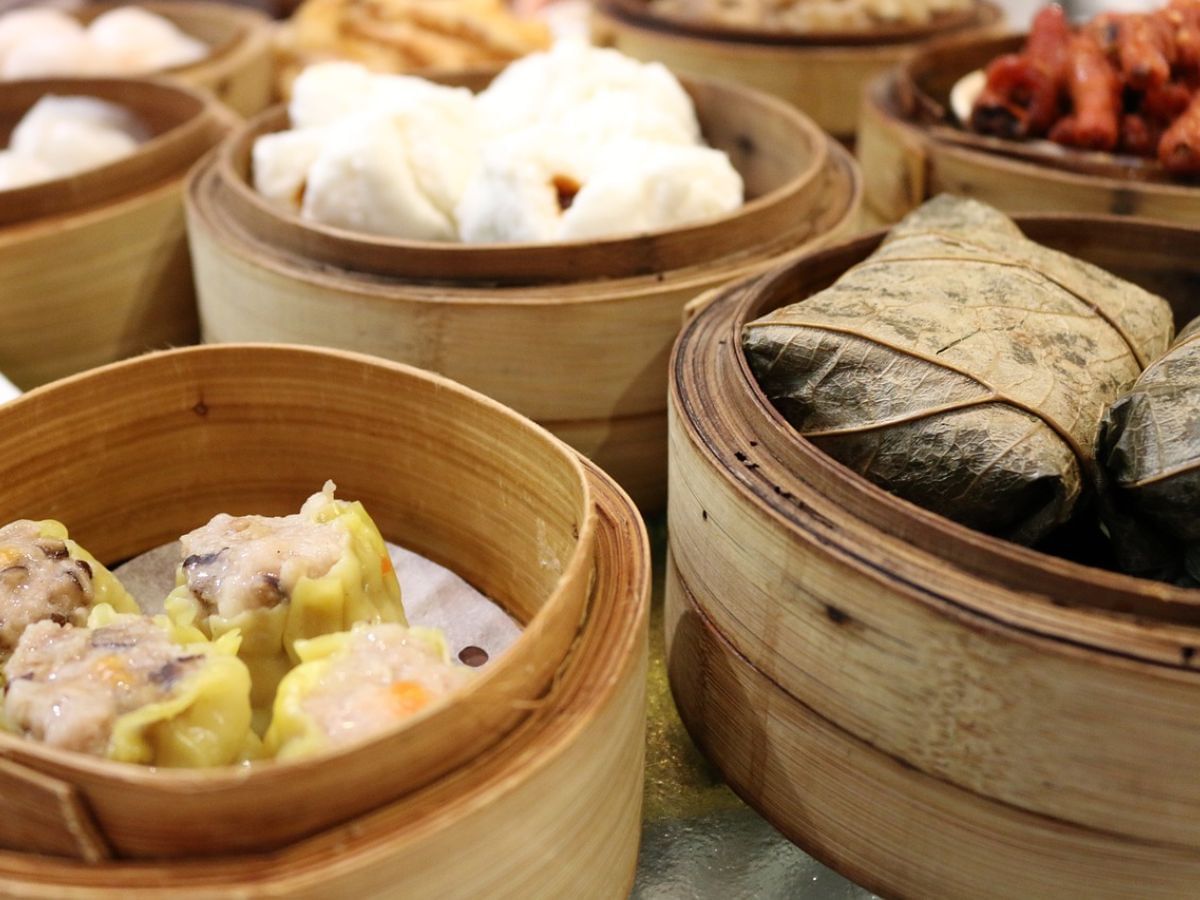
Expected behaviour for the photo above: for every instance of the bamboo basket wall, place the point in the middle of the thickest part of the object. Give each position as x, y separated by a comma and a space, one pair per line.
906, 161
576, 336
181, 435
95, 267
821, 75
239, 70
554, 810
930, 710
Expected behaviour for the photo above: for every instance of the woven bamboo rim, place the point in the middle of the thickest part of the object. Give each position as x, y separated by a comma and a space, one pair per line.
443, 471
555, 808
1026, 682
909, 154
823, 76
639, 12
184, 125
871, 815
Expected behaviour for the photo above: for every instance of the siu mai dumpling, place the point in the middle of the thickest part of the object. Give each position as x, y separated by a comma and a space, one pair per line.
354, 685
133, 689
281, 580
46, 576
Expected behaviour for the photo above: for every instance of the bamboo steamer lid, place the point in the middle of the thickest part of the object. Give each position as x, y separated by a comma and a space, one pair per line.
928, 709
239, 70
95, 266
526, 324
822, 75
906, 160
184, 434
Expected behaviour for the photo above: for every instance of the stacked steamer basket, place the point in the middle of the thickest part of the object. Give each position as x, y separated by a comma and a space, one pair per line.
928, 709
238, 69
95, 266
576, 336
526, 783
822, 73
910, 151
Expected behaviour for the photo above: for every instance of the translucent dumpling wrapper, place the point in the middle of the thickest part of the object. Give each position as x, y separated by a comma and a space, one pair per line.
133, 41
46, 576
282, 580
53, 54
24, 26
354, 685
133, 689
17, 171
71, 134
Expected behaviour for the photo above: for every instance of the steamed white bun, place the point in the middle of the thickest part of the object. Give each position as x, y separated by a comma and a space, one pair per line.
17, 171
599, 93
641, 186
281, 162
326, 92
522, 187
132, 41
364, 180
545, 186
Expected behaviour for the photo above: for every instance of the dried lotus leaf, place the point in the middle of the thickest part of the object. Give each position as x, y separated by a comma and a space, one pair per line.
962, 367
1149, 445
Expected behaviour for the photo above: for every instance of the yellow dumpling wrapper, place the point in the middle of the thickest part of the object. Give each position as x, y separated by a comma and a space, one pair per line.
34, 558
190, 706
359, 586
353, 685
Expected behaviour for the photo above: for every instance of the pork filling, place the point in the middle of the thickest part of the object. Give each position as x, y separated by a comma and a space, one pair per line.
38, 581
385, 675
67, 686
239, 563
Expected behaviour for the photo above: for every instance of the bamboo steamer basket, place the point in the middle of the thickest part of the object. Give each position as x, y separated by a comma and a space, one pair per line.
822, 75
928, 709
95, 266
185, 434
239, 70
526, 324
555, 808
906, 160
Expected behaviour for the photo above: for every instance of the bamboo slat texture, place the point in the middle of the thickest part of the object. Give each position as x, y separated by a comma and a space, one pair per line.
909, 154
147, 449
931, 710
95, 267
